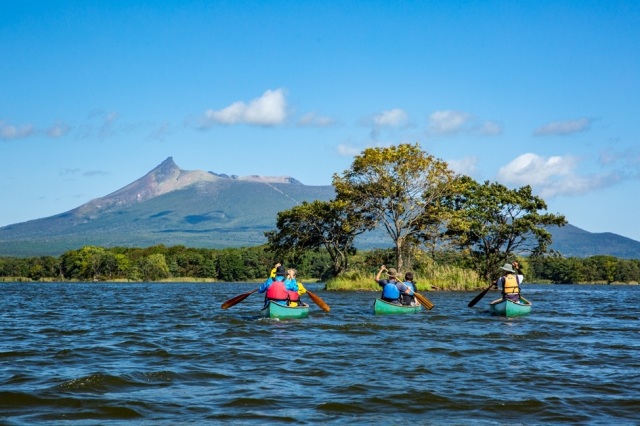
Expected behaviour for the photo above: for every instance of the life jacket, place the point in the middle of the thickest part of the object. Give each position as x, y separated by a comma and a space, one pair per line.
277, 291
405, 299
511, 285
293, 296
390, 291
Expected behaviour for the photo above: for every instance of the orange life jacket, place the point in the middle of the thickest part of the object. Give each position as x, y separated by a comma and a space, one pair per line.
511, 285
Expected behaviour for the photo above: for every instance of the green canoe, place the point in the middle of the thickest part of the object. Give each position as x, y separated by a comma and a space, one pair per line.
509, 308
380, 307
275, 310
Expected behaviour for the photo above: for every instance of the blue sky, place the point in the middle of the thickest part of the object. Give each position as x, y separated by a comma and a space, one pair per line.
93, 95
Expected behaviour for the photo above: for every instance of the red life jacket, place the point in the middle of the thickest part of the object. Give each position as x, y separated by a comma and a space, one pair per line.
293, 296
277, 291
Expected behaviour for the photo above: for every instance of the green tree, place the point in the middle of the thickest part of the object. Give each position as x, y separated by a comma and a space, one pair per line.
83, 264
393, 187
492, 223
332, 225
153, 267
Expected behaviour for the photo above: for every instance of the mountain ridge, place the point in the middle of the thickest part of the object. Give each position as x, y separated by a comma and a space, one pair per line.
172, 206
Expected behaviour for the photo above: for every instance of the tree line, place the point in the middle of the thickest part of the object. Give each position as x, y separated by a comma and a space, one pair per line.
91, 263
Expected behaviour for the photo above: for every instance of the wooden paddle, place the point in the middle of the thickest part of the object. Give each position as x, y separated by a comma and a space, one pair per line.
235, 300
423, 301
480, 296
318, 301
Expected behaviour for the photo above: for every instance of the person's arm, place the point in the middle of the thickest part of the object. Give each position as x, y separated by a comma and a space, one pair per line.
265, 285
405, 289
273, 271
382, 269
301, 289
291, 284
516, 267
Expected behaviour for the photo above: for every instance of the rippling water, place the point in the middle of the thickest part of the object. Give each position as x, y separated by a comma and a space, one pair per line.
167, 354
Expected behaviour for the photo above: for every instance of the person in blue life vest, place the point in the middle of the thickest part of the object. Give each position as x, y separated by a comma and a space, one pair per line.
391, 287
275, 289
510, 281
406, 299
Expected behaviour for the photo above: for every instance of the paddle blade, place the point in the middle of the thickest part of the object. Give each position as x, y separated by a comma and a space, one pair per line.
478, 297
423, 301
318, 301
235, 300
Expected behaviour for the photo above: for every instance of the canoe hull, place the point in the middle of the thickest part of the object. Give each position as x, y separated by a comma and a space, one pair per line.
508, 308
380, 307
275, 310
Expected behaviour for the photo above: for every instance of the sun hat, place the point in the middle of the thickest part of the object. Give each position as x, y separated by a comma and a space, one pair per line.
392, 273
508, 267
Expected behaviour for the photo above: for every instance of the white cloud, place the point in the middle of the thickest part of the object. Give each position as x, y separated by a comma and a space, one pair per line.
59, 129
345, 150
268, 110
553, 176
10, 132
392, 118
464, 166
563, 128
629, 157
447, 121
101, 124
490, 128
314, 120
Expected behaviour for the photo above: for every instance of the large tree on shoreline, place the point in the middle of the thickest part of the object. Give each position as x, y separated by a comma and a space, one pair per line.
332, 225
393, 186
491, 223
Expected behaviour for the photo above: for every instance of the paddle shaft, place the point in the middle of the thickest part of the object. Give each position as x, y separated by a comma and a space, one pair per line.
235, 300
478, 297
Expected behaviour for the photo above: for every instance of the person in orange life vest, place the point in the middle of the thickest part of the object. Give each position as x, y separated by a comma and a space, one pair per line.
510, 281
294, 296
391, 287
275, 288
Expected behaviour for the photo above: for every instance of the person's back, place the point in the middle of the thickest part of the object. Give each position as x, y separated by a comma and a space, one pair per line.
510, 281
391, 287
274, 288
292, 287
407, 299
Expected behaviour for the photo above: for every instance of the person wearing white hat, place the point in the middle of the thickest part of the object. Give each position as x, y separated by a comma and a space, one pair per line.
510, 281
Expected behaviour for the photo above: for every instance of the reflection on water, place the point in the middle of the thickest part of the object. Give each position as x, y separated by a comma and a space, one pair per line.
167, 353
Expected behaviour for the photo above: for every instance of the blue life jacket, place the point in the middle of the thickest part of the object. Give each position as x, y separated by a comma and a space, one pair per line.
390, 291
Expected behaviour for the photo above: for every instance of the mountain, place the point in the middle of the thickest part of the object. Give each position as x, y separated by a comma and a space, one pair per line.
172, 206
573, 241
167, 206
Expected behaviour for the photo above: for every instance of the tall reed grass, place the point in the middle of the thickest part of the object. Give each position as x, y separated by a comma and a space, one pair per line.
437, 277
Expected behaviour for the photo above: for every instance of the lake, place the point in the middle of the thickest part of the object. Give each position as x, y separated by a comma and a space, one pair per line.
166, 353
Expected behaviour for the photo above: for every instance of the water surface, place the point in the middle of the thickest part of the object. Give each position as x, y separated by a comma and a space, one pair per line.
75, 353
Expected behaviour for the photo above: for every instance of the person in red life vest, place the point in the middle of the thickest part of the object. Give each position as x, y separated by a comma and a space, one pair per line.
275, 289
391, 287
510, 281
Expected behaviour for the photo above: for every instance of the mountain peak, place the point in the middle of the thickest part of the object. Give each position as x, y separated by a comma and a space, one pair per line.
164, 178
